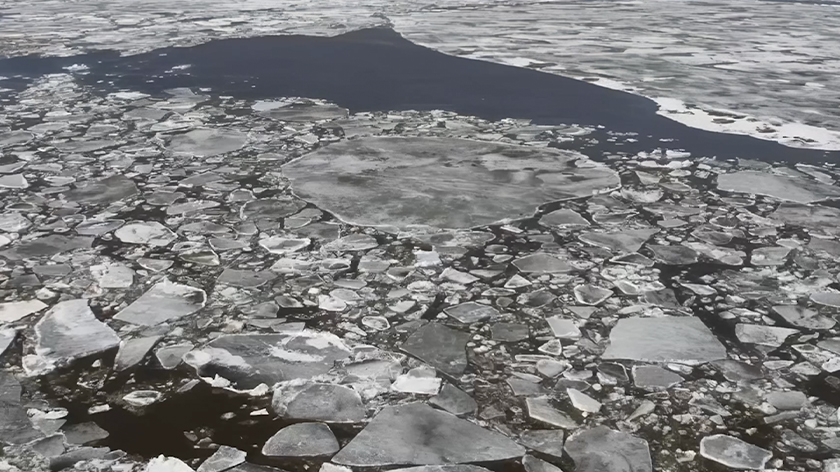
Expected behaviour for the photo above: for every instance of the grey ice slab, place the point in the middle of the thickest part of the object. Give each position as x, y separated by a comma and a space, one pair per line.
441, 347
165, 301
15, 427
306, 112
208, 142
799, 189
443, 468
70, 331
104, 191
248, 360
822, 219
680, 339
544, 441
302, 440
223, 459
14, 311
622, 242
47, 246
564, 219
133, 351
312, 401
7, 336
416, 434
541, 263
471, 312
454, 400
442, 182
600, 449
733, 452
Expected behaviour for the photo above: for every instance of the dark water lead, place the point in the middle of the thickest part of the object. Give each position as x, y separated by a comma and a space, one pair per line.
379, 70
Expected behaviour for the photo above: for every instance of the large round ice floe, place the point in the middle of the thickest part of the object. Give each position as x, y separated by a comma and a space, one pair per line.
442, 182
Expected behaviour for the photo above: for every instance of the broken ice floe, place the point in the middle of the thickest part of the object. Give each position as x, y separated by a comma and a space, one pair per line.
391, 438
164, 301
399, 198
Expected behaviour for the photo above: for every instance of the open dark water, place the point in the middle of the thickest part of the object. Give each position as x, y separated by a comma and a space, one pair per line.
377, 69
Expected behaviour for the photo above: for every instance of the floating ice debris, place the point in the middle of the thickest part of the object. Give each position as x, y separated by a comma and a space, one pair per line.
70, 331
84, 433
564, 219
782, 187
436, 468
419, 381
13, 138
769, 256
154, 265
416, 434
532, 464
471, 312
441, 347
48, 246
112, 275
461, 178
13, 181
190, 207
248, 360
679, 339
245, 278
170, 357
642, 195
271, 208
142, 398
673, 255
165, 301
310, 401
553, 347
103, 192
831, 299
582, 401
98, 227
652, 377
133, 351
208, 142
544, 441
821, 219
622, 242
151, 233
771, 336
459, 277
787, 400
541, 410
14, 222
600, 449
733, 452
509, 332
591, 295
167, 464
7, 337
563, 328
281, 245
302, 440
15, 427
304, 110
541, 263
223, 459
803, 317
14, 311
552, 368
353, 242
454, 400
722, 255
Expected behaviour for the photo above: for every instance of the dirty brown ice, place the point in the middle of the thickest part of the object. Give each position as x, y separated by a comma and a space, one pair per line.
196, 282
